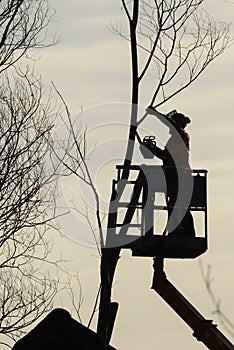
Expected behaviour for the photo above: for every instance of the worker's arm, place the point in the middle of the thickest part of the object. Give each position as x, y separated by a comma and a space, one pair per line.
164, 118
158, 152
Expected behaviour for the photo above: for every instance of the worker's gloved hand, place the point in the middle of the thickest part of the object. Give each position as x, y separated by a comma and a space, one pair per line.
150, 146
150, 110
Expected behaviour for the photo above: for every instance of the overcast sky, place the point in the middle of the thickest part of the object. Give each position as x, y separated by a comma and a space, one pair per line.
90, 67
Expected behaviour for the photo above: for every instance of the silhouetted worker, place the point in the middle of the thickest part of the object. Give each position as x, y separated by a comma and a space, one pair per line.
174, 155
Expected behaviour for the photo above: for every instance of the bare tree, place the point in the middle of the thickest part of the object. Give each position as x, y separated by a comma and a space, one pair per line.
23, 26
66, 154
26, 292
171, 42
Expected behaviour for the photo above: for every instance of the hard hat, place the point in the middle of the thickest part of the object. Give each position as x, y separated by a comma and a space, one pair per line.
181, 118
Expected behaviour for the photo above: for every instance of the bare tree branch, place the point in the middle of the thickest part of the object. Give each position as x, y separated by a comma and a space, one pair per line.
179, 40
79, 162
26, 292
208, 279
23, 25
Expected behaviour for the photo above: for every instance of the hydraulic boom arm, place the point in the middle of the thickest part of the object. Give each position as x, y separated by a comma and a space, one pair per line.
204, 330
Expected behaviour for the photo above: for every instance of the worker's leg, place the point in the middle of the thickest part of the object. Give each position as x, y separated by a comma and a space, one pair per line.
188, 225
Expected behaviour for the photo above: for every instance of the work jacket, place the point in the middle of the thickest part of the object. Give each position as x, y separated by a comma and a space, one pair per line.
176, 151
